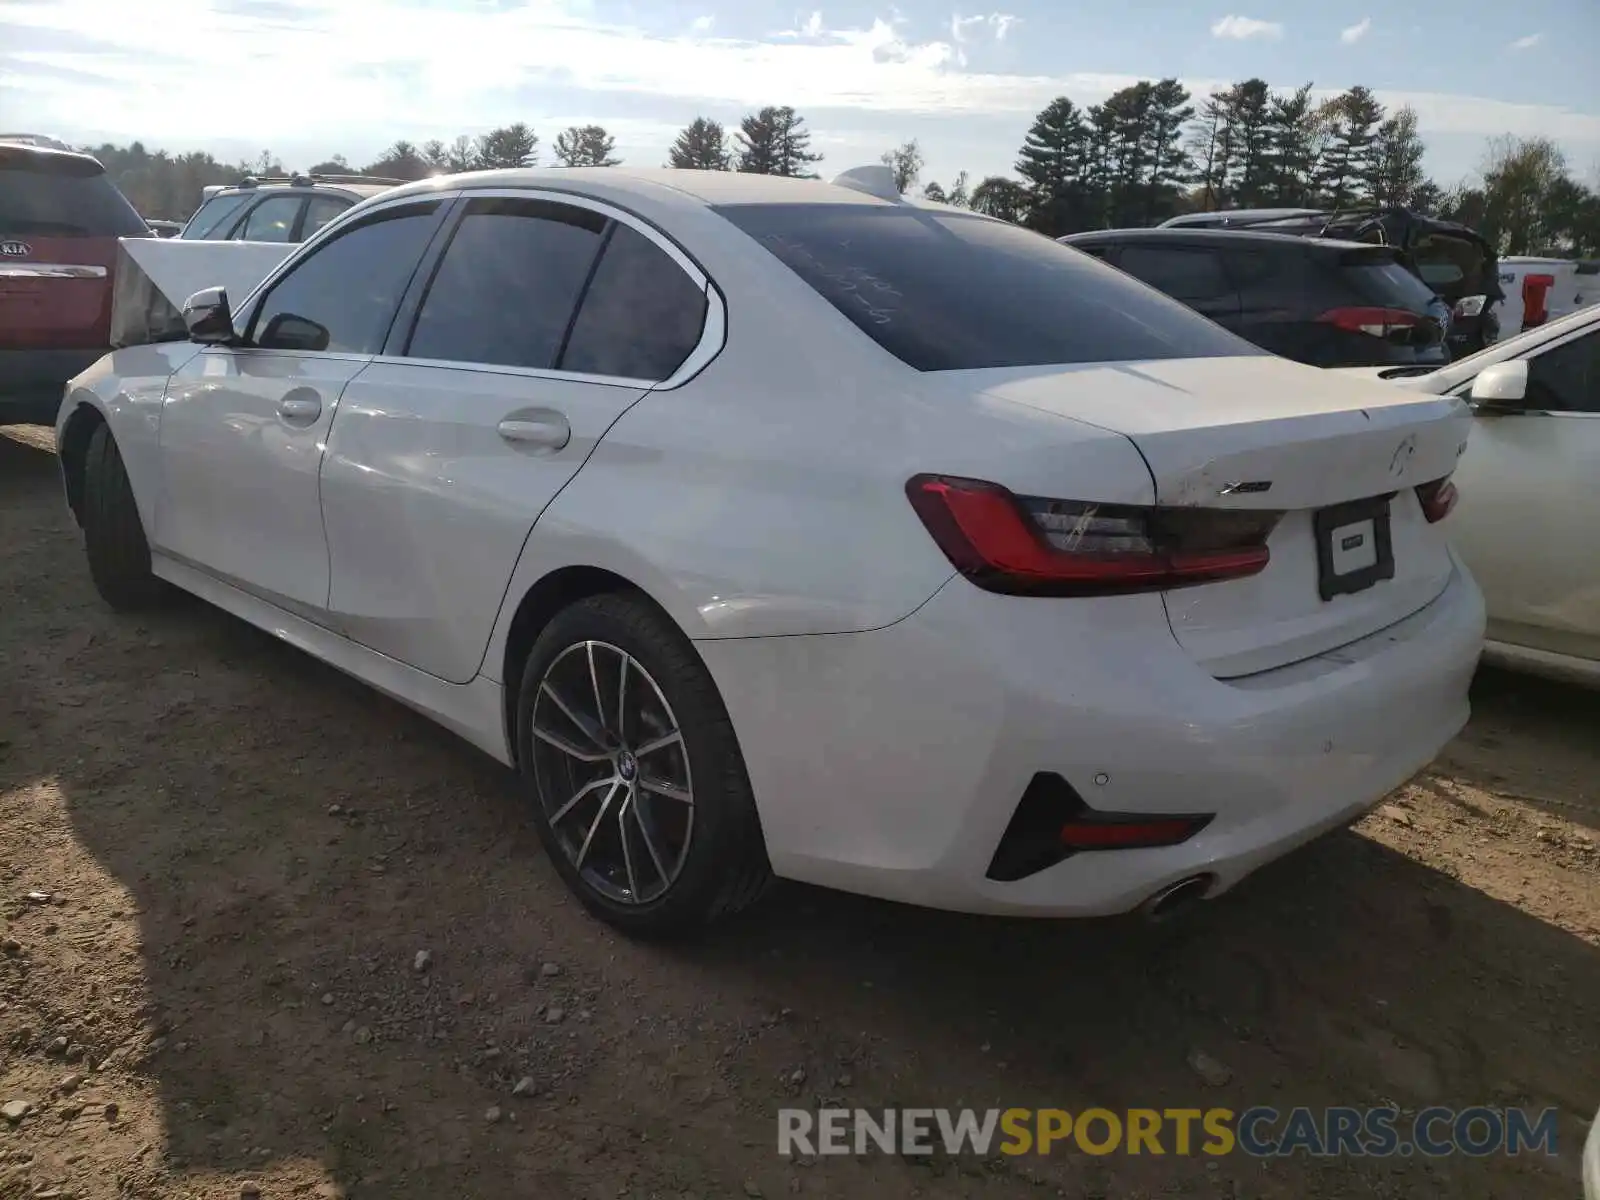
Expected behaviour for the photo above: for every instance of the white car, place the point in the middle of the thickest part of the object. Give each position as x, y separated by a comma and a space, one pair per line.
1528, 524
772, 526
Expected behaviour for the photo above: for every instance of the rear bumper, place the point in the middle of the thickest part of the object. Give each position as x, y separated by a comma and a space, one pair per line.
32, 382
891, 762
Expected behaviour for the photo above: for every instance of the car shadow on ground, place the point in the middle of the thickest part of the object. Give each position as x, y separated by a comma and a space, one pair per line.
288, 842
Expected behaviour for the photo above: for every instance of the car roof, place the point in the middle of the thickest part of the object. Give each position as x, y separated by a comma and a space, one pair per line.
707, 187
1217, 237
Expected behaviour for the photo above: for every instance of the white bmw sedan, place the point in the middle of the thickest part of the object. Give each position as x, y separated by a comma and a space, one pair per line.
778, 527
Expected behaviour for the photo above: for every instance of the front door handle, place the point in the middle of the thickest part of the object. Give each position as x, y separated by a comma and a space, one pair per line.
548, 430
301, 406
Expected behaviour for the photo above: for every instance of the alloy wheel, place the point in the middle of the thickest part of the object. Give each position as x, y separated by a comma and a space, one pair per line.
612, 772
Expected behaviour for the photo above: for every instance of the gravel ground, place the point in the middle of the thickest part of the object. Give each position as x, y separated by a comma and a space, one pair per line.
268, 933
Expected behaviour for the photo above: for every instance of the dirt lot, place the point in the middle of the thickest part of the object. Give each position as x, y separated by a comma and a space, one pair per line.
244, 852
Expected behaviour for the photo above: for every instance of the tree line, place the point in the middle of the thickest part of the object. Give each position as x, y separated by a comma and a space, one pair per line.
1148, 152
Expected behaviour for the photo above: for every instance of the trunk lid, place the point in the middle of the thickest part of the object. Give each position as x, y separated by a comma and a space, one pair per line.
1266, 434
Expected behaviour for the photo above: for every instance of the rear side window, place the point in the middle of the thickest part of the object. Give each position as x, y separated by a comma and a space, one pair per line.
1390, 285
641, 315
57, 195
213, 213
1181, 273
508, 283
343, 295
945, 292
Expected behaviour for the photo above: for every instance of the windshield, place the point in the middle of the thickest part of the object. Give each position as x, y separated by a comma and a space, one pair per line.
949, 292
213, 213
54, 195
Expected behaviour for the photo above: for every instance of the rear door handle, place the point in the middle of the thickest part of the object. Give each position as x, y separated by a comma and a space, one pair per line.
301, 406
548, 430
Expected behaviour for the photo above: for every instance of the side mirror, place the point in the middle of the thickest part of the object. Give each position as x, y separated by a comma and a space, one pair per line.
289, 332
208, 317
1503, 385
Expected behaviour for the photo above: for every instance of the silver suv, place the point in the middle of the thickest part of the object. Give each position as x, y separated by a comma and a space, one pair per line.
277, 208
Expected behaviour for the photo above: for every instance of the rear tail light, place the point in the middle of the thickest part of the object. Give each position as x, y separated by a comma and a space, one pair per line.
1535, 289
1027, 545
1379, 322
1438, 499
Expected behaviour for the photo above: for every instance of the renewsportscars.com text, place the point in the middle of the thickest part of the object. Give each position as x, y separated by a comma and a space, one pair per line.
1259, 1132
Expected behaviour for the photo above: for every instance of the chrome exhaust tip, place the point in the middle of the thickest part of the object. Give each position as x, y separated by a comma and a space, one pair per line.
1176, 897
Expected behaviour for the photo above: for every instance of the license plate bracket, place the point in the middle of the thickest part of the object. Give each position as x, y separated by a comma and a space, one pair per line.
1354, 548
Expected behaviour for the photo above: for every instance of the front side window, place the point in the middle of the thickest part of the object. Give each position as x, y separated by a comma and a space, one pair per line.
641, 316
508, 283
945, 292
343, 295
213, 214
1566, 378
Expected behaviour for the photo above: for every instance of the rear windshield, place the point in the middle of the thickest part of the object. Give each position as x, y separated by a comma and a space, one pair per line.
945, 292
1391, 285
213, 213
50, 195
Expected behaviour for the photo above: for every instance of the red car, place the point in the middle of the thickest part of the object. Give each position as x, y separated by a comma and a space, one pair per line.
60, 218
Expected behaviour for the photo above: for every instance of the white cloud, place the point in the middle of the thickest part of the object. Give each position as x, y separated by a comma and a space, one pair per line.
703, 24
1241, 28
1352, 34
1527, 43
998, 24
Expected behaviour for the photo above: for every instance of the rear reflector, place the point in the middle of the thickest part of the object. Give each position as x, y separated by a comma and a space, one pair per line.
1052, 823
1379, 322
1027, 545
1438, 499
1119, 831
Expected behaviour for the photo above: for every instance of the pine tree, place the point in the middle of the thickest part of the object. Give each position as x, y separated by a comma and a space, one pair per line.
774, 142
1353, 121
509, 146
701, 146
1297, 133
1167, 164
585, 146
1052, 160
1396, 176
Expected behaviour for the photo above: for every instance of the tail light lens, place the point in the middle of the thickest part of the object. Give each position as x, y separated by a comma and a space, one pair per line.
1028, 545
1378, 322
1535, 289
1438, 499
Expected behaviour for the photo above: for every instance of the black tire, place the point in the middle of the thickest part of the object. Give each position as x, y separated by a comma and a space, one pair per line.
113, 536
724, 867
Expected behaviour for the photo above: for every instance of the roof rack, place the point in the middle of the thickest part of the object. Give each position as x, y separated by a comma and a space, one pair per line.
306, 179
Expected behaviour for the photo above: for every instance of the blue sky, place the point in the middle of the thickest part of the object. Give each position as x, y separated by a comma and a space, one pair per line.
309, 78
